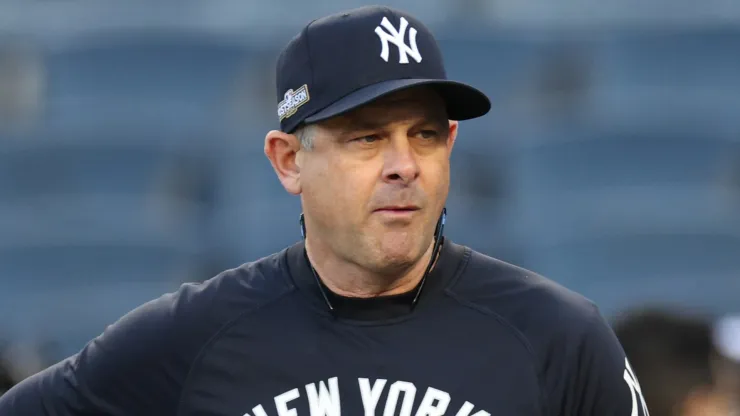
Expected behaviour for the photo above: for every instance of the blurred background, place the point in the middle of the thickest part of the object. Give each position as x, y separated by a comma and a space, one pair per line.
131, 160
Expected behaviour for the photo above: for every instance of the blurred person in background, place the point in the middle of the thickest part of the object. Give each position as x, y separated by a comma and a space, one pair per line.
675, 357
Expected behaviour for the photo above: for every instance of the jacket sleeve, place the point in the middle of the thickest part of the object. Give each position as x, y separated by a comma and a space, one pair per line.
599, 378
132, 368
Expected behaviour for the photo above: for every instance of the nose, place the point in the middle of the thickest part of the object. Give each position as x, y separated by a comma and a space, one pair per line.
401, 165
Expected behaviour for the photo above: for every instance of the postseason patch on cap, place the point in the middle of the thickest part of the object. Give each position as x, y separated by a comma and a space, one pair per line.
293, 99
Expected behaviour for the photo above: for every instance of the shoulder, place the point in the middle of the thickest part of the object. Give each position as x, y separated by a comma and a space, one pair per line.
525, 299
581, 364
196, 311
550, 319
138, 365
176, 325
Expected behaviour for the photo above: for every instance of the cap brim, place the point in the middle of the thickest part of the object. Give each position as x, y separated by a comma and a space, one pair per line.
463, 102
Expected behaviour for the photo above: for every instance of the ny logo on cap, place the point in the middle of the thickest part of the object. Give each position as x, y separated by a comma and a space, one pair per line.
396, 37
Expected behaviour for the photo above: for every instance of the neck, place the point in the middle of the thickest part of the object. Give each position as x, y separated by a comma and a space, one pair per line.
352, 280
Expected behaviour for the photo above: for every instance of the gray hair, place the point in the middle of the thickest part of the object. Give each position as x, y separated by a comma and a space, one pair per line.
305, 134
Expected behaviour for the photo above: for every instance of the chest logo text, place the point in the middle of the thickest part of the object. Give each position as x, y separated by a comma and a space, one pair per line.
324, 400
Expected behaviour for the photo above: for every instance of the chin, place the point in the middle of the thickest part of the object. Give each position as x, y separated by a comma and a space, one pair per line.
400, 254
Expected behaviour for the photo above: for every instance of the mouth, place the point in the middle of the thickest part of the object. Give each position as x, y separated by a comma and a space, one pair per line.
398, 209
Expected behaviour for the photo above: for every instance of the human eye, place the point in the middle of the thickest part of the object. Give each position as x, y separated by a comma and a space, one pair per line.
368, 139
429, 134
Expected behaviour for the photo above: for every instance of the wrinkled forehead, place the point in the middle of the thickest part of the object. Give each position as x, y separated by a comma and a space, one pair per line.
418, 103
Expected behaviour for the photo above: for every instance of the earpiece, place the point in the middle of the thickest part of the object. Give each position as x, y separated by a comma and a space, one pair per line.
303, 227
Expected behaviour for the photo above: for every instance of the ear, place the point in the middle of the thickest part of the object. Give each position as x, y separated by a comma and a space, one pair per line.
452, 136
282, 149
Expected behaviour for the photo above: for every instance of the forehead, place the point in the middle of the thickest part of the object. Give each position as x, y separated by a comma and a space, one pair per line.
412, 103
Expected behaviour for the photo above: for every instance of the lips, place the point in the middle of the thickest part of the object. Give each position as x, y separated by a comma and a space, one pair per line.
399, 208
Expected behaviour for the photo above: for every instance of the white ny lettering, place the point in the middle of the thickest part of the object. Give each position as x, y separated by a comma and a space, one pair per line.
634, 385
396, 37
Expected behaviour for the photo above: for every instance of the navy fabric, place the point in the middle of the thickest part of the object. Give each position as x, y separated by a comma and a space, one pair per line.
342, 61
487, 338
452, 92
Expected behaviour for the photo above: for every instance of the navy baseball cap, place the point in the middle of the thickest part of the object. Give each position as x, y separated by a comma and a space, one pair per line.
342, 61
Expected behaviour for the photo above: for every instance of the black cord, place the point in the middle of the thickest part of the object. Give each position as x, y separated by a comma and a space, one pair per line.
315, 275
438, 239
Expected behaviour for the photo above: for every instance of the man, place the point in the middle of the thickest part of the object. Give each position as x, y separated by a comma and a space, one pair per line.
374, 312
675, 356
